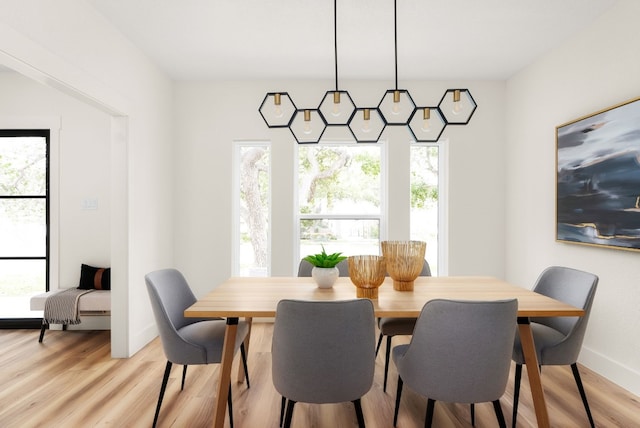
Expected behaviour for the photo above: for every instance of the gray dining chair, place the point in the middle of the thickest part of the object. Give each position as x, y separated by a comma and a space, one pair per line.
390, 327
558, 340
323, 352
184, 340
460, 352
305, 268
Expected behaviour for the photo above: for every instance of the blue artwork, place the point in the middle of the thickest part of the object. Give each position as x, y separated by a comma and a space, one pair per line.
598, 184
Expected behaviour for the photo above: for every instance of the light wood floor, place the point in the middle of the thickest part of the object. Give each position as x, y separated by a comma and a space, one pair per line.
71, 381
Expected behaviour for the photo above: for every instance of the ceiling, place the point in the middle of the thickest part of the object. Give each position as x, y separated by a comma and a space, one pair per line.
285, 39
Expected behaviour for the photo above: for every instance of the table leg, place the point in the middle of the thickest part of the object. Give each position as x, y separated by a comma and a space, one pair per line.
533, 371
249, 321
219, 412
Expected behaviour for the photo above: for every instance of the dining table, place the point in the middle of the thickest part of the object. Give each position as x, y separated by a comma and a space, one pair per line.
250, 297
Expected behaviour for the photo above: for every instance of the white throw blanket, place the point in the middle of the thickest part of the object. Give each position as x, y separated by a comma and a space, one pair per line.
62, 307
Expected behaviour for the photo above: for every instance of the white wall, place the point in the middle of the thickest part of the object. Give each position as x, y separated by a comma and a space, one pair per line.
211, 115
83, 167
67, 45
598, 68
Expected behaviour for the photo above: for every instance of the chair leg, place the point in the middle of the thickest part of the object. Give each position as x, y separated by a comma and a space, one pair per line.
386, 364
428, 420
498, 409
583, 395
516, 394
359, 414
289, 415
167, 371
473, 414
283, 404
243, 354
184, 376
230, 407
398, 394
42, 329
379, 343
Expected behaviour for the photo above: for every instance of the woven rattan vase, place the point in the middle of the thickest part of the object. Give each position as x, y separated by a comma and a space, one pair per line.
404, 260
367, 274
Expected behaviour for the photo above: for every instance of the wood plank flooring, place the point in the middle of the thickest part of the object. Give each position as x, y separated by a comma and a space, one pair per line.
71, 381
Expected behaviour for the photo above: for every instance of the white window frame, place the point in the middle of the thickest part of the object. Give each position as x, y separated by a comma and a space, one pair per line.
443, 203
235, 227
384, 187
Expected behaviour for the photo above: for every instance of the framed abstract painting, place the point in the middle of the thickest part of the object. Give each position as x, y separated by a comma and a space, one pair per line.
598, 178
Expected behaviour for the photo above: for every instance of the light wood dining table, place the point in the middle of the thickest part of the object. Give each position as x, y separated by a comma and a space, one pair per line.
250, 297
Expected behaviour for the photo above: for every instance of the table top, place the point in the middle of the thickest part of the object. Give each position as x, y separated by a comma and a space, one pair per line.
259, 296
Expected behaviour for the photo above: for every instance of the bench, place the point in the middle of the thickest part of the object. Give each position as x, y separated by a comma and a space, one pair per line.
97, 302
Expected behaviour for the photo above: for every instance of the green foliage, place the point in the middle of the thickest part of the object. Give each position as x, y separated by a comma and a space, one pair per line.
325, 260
23, 171
421, 193
370, 166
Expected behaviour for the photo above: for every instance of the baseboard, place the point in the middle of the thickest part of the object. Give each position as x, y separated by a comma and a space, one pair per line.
143, 338
617, 373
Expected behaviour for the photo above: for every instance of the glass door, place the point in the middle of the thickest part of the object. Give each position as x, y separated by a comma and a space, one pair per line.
24, 223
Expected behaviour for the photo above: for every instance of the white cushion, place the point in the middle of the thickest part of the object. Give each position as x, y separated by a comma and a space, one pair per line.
98, 300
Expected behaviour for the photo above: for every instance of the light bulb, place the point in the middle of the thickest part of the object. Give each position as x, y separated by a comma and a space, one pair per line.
396, 110
277, 110
307, 129
458, 105
336, 111
366, 122
426, 115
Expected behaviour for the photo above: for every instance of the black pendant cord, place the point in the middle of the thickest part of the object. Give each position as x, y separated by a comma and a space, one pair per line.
395, 34
335, 38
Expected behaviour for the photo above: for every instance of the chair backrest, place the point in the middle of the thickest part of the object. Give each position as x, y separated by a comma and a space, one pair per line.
571, 286
170, 295
460, 351
323, 352
305, 268
426, 270
576, 288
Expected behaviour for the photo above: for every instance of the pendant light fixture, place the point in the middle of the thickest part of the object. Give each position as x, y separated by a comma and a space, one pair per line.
366, 124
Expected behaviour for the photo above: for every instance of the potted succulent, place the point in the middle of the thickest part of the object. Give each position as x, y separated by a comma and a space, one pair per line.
324, 270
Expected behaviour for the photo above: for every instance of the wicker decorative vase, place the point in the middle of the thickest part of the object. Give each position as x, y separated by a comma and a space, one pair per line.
404, 261
367, 274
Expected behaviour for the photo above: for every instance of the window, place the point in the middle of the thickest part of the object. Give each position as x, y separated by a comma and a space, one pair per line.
252, 209
427, 201
340, 202
24, 220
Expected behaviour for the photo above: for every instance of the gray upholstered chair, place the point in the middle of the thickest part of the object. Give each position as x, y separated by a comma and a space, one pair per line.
460, 352
396, 327
558, 340
186, 340
305, 268
323, 352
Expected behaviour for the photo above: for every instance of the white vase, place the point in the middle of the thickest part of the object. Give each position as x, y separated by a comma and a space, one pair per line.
325, 277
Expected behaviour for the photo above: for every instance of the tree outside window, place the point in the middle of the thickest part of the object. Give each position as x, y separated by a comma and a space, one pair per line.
339, 198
